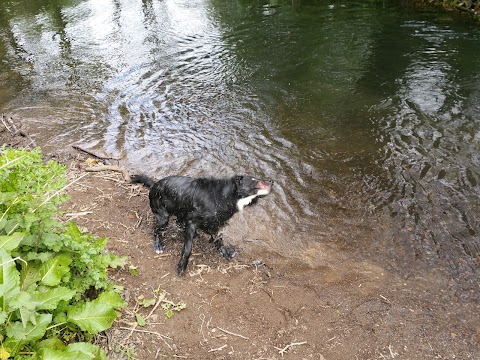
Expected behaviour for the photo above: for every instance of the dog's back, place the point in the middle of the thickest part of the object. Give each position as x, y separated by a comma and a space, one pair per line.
203, 199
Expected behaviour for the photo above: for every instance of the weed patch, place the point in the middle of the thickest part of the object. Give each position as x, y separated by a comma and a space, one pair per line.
54, 290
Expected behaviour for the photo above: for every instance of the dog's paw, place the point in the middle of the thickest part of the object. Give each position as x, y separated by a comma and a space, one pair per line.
180, 269
228, 252
158, 248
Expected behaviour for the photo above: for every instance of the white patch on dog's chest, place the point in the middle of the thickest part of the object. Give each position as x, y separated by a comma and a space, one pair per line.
245, 201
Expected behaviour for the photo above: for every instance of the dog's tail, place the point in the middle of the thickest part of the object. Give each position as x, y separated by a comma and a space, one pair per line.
142, 179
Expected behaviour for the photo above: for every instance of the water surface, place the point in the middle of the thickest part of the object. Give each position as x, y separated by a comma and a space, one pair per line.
366, 114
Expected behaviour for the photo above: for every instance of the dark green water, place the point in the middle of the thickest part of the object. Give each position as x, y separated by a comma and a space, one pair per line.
366, 114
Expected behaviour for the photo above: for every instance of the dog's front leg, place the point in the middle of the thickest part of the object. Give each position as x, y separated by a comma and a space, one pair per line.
227, 252
161, 221
190, 230
157, 242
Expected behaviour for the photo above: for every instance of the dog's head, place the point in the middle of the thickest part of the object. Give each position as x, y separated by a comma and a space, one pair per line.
249, 189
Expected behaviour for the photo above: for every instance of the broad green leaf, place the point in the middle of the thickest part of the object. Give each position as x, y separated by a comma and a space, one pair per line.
3, 317
110, 298
42, 256
10, 242
53, 354
23, 302
30, 275
76, 351
92, 317
133, 270
88, 349
140, 320
117, 261
48, 300
73, 230
146, 302
29, 240
52, 271
31, 332
51, 343
60, 317
10, 226
52, 241
9, 279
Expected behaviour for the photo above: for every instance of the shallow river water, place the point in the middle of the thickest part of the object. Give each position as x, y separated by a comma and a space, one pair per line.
365, 113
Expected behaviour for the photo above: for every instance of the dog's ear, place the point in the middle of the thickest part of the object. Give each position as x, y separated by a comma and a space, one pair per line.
238, 180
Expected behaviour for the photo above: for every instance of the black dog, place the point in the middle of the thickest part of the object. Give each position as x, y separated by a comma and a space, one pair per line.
204, 204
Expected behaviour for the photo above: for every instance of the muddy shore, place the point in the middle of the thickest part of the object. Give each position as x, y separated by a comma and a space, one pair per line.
259, 306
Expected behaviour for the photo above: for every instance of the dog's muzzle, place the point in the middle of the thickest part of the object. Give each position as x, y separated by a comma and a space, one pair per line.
264, 187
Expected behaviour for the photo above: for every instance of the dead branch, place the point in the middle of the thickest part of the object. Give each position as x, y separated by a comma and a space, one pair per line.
89, 152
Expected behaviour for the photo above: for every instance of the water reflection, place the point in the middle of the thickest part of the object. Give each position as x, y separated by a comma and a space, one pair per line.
433, 194
366, 117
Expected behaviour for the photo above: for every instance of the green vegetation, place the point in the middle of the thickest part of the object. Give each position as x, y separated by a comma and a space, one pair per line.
54, 290
469, 6
159, 299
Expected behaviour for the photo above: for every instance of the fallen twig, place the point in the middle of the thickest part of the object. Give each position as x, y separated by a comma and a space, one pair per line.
218, 349
77, 214
110, 178
282, 351
146, 332
160, 299
385, 299
110, 168
392, 353
331, 339
231, 333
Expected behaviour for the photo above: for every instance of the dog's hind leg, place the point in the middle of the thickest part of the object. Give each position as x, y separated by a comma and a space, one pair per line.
190, 231
161, 221
227, 252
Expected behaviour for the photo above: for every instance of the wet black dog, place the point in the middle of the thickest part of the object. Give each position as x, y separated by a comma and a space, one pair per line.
204, 204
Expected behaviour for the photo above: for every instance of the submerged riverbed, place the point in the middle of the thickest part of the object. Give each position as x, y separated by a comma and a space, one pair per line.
365, 114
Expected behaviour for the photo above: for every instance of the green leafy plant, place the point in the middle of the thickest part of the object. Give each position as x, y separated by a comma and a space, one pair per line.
54, 288
126, 351
159, 299
169, 308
